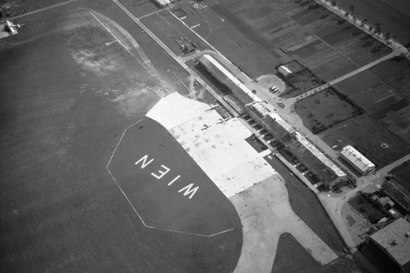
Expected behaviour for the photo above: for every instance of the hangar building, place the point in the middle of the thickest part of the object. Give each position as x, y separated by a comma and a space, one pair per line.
394, 241
357, 160
318, 163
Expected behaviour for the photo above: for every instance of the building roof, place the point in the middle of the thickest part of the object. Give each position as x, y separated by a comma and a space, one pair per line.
164, 2
260, 108
398, 193
234, 84
303, 148
284, 70
395, 240
321, 156
357, 159
280, 121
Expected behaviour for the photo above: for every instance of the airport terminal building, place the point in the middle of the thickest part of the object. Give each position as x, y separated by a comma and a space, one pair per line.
307, 153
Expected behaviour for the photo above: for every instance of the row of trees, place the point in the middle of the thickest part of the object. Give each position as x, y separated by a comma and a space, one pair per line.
375, 29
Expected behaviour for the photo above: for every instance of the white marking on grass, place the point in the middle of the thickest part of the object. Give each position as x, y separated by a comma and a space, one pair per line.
136, 211
112, 34
110, 43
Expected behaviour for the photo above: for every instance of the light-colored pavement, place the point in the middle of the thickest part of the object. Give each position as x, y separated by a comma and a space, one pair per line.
333, 203
265, 214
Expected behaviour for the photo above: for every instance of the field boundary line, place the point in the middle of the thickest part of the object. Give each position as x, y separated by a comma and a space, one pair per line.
136, 211
39, 10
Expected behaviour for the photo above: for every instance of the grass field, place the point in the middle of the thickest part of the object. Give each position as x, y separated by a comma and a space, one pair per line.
393, 15
383, 93
403, 172
319, 39
368, 137
396, 73
293, 258
369, 92
61, 210
167, 28
325, 110
306, 205
366, 209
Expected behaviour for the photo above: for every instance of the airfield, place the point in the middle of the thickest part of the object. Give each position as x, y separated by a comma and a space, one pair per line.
117, 156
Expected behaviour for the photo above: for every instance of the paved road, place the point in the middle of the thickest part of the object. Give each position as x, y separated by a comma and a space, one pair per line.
289, 102
333, 203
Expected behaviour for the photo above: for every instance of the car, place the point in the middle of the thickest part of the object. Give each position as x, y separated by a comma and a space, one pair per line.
268, 136
273, 89
274, 143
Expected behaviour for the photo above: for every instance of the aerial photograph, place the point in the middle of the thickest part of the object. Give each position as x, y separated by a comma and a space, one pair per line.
205, 136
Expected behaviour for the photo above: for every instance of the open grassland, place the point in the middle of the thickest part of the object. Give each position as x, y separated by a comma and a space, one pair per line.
304, 30
325, 110
61, 210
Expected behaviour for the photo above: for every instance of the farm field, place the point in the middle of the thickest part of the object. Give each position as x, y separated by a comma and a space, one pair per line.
325, 43
383, 93
61, 209
370, 93
325, 110
393, 15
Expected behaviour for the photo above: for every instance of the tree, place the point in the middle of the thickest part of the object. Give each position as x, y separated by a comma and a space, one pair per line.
377, 28
387, 35
333, 3
351, 9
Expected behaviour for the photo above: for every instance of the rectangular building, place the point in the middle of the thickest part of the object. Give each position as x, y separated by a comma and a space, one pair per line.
225, 77
394, 241
357, 160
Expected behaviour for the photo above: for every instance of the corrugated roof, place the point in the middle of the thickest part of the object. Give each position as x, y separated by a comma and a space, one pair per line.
234, 84
321, 156
357, 159
394, 241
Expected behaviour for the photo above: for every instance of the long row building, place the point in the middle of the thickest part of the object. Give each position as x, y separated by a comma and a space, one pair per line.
317, 162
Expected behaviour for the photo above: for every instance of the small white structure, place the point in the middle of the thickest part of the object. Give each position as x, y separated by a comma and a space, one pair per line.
163, 3
284, 70
357, 160
8, 28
